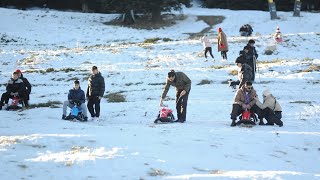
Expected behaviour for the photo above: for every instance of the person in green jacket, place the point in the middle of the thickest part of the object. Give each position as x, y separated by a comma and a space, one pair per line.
183, 87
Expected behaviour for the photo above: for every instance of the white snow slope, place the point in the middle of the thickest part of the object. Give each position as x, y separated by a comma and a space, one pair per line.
125, 143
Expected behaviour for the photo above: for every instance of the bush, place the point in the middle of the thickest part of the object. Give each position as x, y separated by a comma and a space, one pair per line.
205, 81
115, 97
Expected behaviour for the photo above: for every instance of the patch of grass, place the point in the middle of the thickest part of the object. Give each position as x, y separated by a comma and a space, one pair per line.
23, 166
218, 67
301, 102
115, 97
50, 104
157, 172
87, 62
268, 52
151, 40
211, 21
312, 68
205, 81
307, 59
67, 69
72, 79
50, 70
156, 84
272, 61
130, 84
166, 39
233, 72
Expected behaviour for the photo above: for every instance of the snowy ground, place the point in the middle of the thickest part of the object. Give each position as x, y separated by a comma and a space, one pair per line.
125, 144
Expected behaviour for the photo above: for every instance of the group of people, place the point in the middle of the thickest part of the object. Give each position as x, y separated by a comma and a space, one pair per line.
17, 86
222, 45
94, 94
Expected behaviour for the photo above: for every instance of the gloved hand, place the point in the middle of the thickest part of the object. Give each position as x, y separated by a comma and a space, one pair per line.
78, 103
248, 106
244, 106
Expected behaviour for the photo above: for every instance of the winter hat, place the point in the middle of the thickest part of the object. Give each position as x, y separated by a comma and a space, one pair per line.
278, 30
171, 73
219, 29
18, 71
266, 92
251, 41
239, 59
94, 68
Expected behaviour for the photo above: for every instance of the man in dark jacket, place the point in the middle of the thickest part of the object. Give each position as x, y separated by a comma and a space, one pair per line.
244, 72
183, 87
95, 91
75, 97
245, 100
15, 87
27, 89
251, 56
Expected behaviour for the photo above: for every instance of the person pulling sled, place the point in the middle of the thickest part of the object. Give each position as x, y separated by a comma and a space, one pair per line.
183, 86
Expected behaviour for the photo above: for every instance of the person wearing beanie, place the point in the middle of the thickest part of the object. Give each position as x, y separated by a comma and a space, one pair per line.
27, 86
183, 86
14, 88
244, 71
222, 44
95, 91
271, 109
251, 57
207, 46
278, 35
245, 100
75, 97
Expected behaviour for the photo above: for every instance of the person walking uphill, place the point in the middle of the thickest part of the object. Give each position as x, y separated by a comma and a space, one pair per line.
183, 87
95, 91
207, 47
222, 44
251, 56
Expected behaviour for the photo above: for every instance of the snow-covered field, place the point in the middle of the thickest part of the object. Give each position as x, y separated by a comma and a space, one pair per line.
125, 144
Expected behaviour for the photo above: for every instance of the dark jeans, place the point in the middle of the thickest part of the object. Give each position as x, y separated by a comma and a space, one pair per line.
210, 51
224, 54
237, 110
94, 101
181, 105
272, 117
6, 96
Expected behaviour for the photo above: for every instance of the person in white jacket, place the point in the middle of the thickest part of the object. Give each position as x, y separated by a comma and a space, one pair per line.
207, 46
271, 109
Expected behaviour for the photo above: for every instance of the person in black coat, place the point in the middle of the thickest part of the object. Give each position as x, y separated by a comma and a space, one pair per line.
27, 86
75, 97
95, 91
15, 87
251, 56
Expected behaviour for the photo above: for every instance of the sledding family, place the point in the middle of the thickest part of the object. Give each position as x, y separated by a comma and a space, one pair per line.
245, 98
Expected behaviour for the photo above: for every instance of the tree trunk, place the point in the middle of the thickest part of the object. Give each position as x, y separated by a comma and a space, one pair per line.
156, 14
128, 17
85, 6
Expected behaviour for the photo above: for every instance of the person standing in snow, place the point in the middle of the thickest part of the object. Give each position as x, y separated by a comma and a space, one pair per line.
271, 108
183, 86
27, 86
207, 46
222, 44
95, 91
251, 56
244, 72
15, 87
245, 100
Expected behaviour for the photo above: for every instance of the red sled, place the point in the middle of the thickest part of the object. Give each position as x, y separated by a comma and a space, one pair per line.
247, 118
278, 40
165, 115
